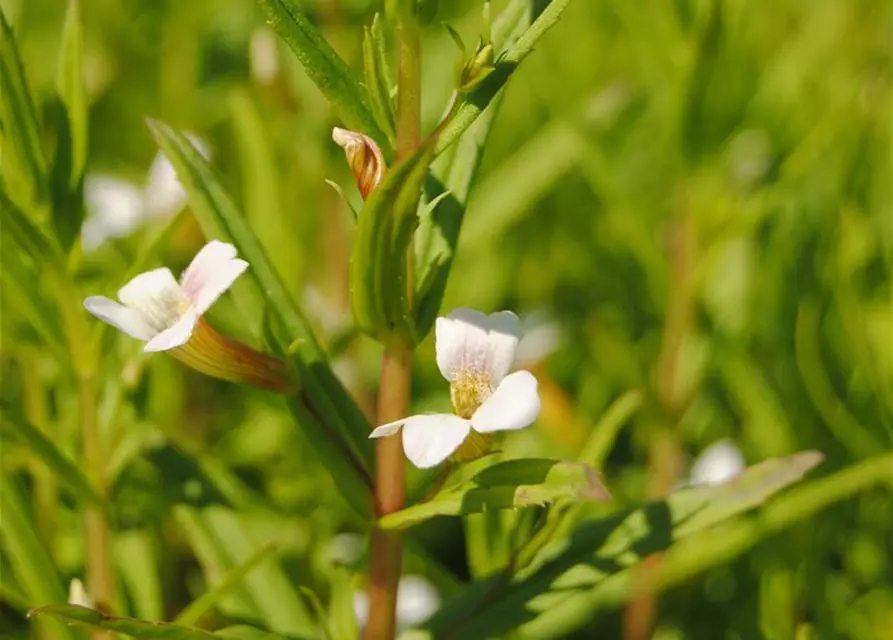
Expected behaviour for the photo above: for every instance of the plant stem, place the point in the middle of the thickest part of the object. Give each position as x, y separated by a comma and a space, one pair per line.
665, 455
386, 553
97, 534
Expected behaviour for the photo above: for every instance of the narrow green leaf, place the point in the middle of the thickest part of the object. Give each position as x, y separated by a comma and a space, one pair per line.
70, 84
474, 104
69, 474
73, 614
67, 199
137, 561
199, 607
24, 166
378, 265
709, 548
507, 485
278, 601
378, 79
332, 422
604, 547
29, 237
328, 71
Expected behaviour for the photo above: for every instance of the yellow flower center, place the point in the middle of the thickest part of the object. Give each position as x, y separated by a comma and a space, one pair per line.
468, 392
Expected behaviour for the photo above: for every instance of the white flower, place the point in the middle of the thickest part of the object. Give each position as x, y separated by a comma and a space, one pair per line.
162, 312
474, 353
77, 595
164, 195
114, 209
718, 463
417, 599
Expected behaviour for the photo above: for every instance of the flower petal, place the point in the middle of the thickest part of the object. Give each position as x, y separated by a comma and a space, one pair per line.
386, 430
212, 271
125, 319
469, 342
177, 335
157, 296
430, 439
514, 405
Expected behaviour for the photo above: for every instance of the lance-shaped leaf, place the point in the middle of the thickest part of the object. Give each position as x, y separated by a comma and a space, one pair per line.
70, 85
378, 78
601, 548
329, 72
91, 618
378, 265
332, 422
33, 241
41, 446
474, 103
67, 183
507, 485
24, 166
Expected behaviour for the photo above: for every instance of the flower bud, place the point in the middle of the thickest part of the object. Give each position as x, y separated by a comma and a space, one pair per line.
476, 70
363, 156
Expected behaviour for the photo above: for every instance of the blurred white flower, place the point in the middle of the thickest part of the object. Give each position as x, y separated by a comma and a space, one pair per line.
718, 463
161, 311
417, 599
263, 56
164, 195
346, 548
114, 209
542, 335
77, 595
474, 353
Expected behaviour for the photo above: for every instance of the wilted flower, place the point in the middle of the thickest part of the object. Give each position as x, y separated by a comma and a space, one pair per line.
474, 353
363, 156
167, 315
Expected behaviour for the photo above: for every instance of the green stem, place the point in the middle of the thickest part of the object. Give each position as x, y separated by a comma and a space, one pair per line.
97, 533
386, 550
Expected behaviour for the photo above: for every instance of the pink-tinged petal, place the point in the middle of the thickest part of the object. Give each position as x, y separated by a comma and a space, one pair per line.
514, 405
176, 336
210, 257
217, 283
157, 296
430, 439
467, 342
386, 430
122, 318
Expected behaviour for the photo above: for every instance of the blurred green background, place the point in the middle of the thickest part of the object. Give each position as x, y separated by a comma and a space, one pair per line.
688, 198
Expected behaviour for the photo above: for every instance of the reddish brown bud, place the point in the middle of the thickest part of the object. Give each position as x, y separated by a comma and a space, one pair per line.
364, 157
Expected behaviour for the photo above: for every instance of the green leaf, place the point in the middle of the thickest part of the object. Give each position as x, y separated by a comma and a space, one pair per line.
70, 84
61, 465
378, 78
24, 166
199, 607
332, 422
328, 71
73, 614
378, 266
473, 104
67, 198
507, 485
137, 558
29, 236
604, 547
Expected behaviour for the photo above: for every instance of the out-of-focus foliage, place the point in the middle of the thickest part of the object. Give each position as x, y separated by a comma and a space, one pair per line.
688, 204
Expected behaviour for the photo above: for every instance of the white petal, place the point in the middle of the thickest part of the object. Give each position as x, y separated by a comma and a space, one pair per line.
176, 336
211, 273
717, 464
157, 296
469, 342
514, 405
125, 319
386, 430
430, 439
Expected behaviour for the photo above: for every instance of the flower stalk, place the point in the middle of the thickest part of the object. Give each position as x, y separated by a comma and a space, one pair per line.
386, 547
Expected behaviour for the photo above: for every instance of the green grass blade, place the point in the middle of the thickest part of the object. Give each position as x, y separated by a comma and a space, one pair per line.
69, 474
329, 72
70, 85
